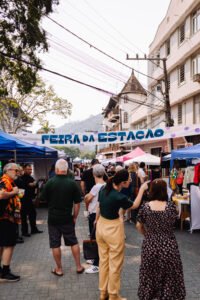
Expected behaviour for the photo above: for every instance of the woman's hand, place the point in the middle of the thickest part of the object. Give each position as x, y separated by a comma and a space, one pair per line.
145, 186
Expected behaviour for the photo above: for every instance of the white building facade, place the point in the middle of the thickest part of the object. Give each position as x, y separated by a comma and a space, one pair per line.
178, 39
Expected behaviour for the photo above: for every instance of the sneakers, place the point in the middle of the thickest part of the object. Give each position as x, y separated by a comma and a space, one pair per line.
9, 277
92, 270
90, 261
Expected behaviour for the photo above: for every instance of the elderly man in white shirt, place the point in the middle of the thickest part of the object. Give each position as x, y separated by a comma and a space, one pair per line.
91, 200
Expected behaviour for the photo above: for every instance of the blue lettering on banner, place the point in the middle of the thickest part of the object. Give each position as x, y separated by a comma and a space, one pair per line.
45, 138
91, 139
76, 139
68, 137
122, 134
131, 136
102, 137
85, 138
159, 133
140, 135
112, 136
54, 139
61, 139
149, 134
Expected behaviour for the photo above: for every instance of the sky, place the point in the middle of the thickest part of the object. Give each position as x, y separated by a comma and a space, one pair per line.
114, 26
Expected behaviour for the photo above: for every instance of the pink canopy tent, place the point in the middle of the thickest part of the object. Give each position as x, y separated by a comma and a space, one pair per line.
136, 152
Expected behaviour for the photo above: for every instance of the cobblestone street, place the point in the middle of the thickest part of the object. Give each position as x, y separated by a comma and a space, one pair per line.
33, 261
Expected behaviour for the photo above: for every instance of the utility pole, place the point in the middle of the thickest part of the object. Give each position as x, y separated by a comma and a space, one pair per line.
169, 120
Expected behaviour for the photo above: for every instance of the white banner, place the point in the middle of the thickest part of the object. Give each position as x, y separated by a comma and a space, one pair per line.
98, 138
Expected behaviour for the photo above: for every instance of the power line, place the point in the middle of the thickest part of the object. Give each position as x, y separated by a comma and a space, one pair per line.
97, 34
77, 81
89, 61
76, 55
101, 28
59, 74
99, 50
124, 37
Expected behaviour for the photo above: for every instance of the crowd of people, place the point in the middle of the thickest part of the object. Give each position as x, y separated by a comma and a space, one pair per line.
111, 196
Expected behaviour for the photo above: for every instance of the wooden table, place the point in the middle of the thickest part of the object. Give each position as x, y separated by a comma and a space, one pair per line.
183, 207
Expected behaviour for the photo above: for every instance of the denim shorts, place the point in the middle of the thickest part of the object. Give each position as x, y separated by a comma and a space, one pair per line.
67, 231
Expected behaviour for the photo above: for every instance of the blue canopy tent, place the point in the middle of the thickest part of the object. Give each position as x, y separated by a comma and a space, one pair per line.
11, 147
186, 153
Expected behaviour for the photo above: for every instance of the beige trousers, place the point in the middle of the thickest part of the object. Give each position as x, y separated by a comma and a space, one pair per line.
110, 239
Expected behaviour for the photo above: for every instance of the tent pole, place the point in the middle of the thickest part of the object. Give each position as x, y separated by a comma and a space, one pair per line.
15, 156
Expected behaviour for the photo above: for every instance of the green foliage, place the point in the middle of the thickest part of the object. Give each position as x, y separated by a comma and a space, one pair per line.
72, 152
21, 35
88, 154
46, 128
19, 110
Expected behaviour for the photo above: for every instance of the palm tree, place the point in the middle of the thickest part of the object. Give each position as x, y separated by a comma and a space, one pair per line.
46, 128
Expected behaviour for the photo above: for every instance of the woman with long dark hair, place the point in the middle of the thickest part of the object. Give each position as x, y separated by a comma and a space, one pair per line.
161, 272
110, 232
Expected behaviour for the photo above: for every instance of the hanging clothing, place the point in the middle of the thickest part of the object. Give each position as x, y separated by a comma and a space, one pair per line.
189, 176
197, 174
173, 176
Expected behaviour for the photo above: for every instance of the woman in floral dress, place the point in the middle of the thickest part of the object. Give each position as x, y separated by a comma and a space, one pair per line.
161, 272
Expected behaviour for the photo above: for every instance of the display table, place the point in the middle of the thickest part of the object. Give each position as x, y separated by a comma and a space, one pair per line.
182, 203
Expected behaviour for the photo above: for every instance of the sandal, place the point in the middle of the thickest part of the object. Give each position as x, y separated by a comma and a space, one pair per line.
81, 271
56, 273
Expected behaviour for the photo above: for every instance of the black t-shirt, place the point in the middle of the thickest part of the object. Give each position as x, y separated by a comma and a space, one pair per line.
110, 204
29, 190
88, 178
61, 192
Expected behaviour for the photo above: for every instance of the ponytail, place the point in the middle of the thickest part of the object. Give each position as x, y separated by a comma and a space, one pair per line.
120, 176
109, 185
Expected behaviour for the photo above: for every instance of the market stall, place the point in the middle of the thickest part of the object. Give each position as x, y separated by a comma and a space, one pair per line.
147, 158
191, 182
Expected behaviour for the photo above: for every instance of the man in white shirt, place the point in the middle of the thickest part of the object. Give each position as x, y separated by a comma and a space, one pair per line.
141, 173
91, 200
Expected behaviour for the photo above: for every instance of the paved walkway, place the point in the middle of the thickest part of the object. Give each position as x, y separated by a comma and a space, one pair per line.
33, 261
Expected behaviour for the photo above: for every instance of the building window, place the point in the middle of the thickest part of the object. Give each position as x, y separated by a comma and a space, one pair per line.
181, 33
197, 109
181, 74
125, 99
196, 21
196, 65
168, 49
125, 117
180, 115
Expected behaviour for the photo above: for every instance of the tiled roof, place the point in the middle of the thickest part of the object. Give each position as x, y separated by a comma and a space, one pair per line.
133, 86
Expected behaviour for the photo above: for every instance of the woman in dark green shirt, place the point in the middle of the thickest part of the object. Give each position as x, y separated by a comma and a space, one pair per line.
110, 232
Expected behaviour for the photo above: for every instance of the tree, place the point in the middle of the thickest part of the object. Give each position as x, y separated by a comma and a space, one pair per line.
20, 110
21, 35
46, 128
88, 154
72, 152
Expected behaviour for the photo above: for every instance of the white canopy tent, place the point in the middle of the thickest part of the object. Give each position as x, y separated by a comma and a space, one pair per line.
147, 158
77, 160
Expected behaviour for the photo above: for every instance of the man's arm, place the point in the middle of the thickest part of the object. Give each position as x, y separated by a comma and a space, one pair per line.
83, 187
88, 198
7, 195
76, 211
